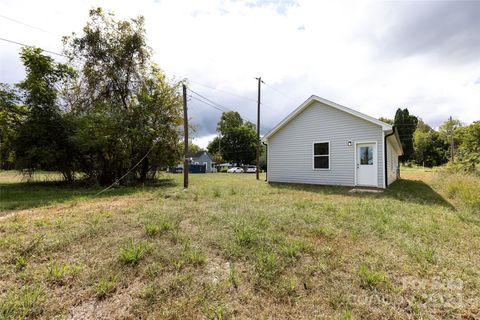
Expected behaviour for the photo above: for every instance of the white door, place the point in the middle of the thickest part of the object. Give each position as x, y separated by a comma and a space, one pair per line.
366, 164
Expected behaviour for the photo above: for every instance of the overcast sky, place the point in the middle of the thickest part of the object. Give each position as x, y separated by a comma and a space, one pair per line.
370, 56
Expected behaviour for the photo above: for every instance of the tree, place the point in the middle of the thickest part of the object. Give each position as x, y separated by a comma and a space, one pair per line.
468, 151
123, 105
237, 142
43, 140
430, 149
386, 120
11, 117
447, 133
214, 148
406, 125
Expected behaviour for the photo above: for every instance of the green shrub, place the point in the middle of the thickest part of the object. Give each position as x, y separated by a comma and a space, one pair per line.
132, 252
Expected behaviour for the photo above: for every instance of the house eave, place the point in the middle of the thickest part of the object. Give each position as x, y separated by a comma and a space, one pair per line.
314, 98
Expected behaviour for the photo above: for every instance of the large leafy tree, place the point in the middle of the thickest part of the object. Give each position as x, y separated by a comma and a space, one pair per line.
406, 125
11, 117
468, 154
447, 133
43, 138
123, 104
237, 140
430, 149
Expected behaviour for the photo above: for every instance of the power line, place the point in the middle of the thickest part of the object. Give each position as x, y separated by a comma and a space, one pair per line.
221, 109
27, 45
279, 92
224, 91
29, 25
217, 104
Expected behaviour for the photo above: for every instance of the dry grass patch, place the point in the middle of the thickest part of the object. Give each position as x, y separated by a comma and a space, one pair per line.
232, 247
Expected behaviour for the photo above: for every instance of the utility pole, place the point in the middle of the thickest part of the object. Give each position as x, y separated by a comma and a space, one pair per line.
452, 142
185, 129
258, 128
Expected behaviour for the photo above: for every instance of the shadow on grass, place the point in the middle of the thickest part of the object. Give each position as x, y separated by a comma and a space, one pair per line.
25, 195
415, 191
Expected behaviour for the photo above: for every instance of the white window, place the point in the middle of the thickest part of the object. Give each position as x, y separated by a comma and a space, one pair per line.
321, 155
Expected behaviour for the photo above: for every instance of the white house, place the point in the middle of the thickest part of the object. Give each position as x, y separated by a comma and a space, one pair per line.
322, 142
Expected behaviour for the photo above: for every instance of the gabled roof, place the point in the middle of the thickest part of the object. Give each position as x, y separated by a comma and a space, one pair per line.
312, 99
197, 154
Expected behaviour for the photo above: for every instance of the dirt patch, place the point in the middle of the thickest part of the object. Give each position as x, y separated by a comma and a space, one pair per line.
117, 306
85, 206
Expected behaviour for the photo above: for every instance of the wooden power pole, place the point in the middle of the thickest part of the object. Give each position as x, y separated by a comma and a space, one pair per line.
452, 141
258, 128
185, 129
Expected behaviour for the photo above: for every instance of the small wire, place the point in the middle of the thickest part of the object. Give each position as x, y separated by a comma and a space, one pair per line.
26, 45
220, 90
29, 25
279, 92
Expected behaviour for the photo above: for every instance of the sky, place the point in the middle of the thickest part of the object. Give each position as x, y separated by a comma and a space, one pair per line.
371, 56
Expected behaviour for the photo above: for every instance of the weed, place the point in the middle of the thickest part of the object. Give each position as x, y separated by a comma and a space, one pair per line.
324, 231
58, 273
245, 235
370, 279
105, 286
233, 191
20, 262
151, 229
267, 266
217, 193
233, 277
151, 293
291, 250
22, 303
422, 253
175, 234
346, 315
132, 252
40, 222
192, 256
287, 287
215, 312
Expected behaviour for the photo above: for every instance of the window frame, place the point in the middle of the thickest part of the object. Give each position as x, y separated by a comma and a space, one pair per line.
323, 155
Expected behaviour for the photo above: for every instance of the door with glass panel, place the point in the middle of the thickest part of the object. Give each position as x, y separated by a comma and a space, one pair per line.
366, 164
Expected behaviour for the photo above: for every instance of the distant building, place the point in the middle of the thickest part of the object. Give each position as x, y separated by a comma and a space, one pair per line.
201, 158
200, 162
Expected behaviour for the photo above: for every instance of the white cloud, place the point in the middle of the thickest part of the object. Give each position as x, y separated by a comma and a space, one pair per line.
315, 47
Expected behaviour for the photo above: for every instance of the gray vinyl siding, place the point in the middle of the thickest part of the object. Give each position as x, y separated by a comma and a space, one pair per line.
290, 154
204, 158
392, 162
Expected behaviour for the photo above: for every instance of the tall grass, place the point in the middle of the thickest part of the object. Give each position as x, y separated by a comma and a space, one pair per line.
462, 188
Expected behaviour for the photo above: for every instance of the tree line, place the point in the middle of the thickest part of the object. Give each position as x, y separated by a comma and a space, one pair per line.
453, 143
99, 113
110, 108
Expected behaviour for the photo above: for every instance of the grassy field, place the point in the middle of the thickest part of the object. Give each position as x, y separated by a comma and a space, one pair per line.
233, 247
